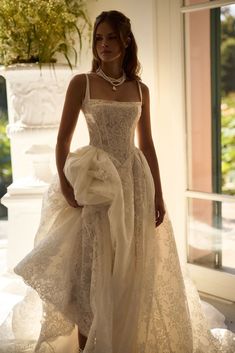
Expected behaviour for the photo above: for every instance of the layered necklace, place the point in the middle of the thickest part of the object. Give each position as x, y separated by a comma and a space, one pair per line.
115, 82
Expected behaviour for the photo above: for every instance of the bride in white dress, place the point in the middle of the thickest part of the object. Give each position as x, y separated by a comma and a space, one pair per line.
105, 262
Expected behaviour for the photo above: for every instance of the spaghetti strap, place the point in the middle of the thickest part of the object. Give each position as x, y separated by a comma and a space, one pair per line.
87, 94
140, 90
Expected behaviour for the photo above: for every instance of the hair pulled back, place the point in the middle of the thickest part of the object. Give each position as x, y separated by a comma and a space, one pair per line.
122, 27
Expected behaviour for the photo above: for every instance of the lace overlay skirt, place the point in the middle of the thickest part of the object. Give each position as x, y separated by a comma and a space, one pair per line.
107, 270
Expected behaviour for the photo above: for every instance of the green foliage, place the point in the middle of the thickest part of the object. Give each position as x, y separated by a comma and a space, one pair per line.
228, 65
227, 51
3, 96
227, 25
5, 160
228, 101
35, 30
228, 143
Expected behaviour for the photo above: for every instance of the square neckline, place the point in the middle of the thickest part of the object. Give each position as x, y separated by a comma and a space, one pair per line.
113, 101
88, 97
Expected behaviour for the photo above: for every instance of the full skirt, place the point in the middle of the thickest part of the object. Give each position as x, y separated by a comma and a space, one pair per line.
106, 270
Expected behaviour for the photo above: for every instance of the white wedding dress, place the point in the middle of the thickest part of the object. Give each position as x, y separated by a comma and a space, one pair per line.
105, 268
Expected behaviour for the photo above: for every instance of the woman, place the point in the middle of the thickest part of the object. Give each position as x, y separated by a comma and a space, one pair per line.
105, 260
115, 57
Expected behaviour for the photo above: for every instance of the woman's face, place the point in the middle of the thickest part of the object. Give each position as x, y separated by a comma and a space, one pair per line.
107, 43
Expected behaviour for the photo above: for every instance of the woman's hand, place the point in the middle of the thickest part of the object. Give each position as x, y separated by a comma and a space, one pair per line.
159, 211
68, 194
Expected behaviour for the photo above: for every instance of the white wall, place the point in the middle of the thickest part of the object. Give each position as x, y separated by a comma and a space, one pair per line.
170, 136
157, 28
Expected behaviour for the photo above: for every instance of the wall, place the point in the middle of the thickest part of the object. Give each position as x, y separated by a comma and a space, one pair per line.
170, 130
171, 114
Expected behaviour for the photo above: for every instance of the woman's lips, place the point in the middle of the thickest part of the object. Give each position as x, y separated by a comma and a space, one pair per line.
106, 52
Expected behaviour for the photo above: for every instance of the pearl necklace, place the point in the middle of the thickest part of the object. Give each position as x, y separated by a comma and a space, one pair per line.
113, 81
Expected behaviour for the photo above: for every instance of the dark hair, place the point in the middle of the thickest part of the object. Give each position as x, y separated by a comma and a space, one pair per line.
121, 25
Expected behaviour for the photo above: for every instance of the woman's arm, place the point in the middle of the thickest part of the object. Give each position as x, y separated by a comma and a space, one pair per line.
72, 105
147, 147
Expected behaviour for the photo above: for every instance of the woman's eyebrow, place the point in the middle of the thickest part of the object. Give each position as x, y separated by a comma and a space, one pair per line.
100, 34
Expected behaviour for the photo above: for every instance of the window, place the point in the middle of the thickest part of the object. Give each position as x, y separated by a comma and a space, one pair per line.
210, 96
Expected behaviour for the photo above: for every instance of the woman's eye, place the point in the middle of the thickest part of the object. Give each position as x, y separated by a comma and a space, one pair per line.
99, 39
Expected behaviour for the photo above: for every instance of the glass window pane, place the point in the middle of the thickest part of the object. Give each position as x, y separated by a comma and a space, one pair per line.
210, 94
211, 234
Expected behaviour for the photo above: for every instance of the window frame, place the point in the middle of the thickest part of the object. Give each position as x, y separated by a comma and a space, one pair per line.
211, 281
205, 5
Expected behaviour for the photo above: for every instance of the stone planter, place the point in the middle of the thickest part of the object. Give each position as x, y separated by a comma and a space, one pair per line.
35, 101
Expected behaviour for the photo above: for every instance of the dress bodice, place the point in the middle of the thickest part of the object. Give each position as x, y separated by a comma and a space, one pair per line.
111, 124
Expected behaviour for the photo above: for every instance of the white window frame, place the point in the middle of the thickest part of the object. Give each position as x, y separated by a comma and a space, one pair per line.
206, 5
211, 281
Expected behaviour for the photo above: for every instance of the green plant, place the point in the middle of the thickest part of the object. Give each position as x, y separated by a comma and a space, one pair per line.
35, 30
227, 23
228, 143
5, 162
5, 159
228, 66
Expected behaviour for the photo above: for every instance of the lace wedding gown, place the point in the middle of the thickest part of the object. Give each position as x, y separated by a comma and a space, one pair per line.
105, 268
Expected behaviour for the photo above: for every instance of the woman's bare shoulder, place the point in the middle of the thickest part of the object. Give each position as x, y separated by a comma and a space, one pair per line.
78, 79
77, 86
145, 92
144, 87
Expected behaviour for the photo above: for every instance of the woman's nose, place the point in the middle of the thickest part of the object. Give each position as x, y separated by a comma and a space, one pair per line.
104, 42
